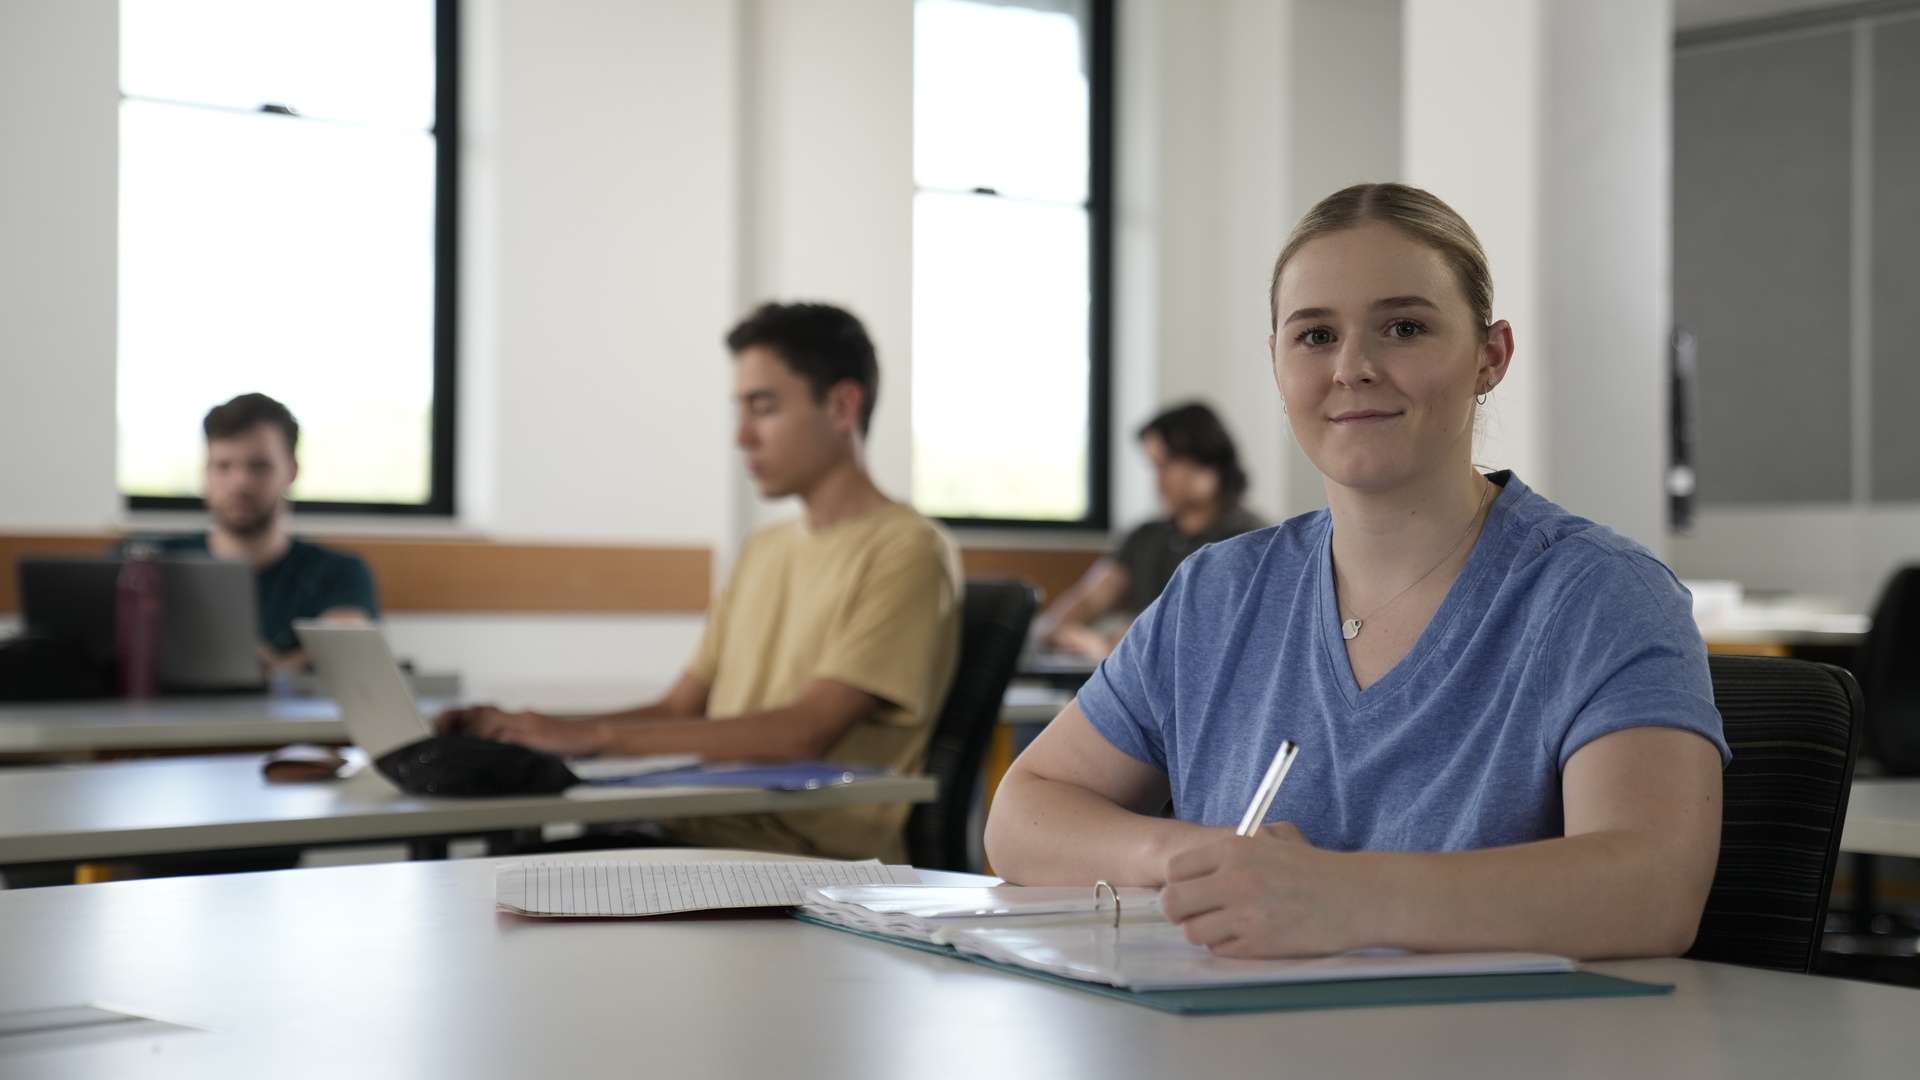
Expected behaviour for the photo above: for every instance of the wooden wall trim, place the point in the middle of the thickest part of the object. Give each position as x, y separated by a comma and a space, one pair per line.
1054, 570
437, 574
433, 574
480, 575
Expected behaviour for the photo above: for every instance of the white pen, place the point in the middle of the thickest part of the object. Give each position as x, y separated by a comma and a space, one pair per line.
1269, 787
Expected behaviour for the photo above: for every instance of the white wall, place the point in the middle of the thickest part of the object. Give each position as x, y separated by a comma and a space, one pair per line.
1214, 135
1843, 553
1137, 273
1473, 137
1606, 290
59, 129
827, 134
606, 145
1206, 181
1235, 116
1343, 123
1547, 126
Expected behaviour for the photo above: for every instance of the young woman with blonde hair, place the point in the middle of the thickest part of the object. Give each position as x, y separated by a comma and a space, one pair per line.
1506, 728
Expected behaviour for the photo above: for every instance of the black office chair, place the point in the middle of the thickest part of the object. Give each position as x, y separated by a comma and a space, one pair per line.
993, 631
1889, 668
1793, 728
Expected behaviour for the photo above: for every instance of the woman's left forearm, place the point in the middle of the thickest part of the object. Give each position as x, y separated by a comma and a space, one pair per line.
1593, 896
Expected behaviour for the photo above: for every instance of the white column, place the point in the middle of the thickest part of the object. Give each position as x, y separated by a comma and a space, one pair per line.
1546, 124
600, 206
1235, 116
1343, 113
828, 204
1607, 291
59, 123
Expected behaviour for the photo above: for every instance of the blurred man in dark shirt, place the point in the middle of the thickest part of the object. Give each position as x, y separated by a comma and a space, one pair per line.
251, 464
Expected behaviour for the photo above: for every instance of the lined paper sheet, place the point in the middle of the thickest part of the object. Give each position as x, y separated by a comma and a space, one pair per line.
608, 889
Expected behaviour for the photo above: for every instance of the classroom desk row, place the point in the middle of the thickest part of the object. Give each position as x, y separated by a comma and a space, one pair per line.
177, 805
64, 813
123, 810
406, 969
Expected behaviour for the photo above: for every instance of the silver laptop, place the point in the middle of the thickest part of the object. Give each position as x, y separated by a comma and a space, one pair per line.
358, 671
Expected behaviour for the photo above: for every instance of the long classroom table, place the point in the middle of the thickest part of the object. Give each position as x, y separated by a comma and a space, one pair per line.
161, 806
406, 969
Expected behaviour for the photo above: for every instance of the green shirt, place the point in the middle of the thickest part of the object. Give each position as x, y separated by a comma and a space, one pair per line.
1151, 553
303, 583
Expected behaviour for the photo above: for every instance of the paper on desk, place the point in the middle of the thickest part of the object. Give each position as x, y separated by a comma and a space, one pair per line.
608, 768
604, 888
934, 913
1159, 957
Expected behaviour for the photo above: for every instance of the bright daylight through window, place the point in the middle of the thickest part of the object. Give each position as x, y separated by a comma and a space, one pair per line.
277, 234
1002, 351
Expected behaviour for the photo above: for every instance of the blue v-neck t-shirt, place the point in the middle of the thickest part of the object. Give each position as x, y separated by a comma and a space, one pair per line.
1557, 631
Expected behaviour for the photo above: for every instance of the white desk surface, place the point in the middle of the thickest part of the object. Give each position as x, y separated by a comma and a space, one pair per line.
406, 970
168, 724
1883, 818
251, 720
1032, 703
129, 808
1782, 621
242, 721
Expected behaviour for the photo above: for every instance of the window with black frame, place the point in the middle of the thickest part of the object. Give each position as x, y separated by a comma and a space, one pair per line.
1011, 256
286, 200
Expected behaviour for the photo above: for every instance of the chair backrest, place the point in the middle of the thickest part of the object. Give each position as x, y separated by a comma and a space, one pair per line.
1793, 727
1889, 667
993, 632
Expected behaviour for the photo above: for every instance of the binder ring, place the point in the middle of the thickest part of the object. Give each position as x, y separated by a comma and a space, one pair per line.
1111, 891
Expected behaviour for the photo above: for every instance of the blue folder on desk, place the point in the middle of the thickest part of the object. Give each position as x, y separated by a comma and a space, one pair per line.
784, 776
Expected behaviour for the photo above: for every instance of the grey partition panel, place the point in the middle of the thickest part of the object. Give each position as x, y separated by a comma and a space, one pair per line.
1895, 428
1761, 208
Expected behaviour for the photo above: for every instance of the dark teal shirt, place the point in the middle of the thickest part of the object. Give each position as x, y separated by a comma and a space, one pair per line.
306, 581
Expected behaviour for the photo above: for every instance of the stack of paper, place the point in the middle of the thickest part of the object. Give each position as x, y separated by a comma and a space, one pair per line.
602, 888
1159, 957
1070, 933
931, 913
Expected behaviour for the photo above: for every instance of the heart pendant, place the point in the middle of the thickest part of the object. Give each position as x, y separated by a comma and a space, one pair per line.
1350, 629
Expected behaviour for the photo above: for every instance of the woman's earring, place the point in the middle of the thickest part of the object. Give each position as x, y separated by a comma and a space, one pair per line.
1483, 395
1283, 406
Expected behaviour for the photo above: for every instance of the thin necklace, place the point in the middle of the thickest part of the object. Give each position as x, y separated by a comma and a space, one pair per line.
1351, 628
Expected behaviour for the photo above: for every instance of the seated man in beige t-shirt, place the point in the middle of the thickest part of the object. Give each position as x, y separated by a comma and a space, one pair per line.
838, 633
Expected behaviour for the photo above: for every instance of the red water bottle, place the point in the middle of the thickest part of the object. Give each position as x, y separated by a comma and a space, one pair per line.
137, 609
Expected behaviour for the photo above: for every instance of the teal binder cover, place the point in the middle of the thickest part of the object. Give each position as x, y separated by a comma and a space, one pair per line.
1296, 997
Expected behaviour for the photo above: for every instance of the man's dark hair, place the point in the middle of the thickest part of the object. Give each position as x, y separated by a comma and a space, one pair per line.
249, 411
1194, 433
823, 344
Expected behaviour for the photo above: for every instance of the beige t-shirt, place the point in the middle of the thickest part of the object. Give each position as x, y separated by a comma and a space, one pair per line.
873, 603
